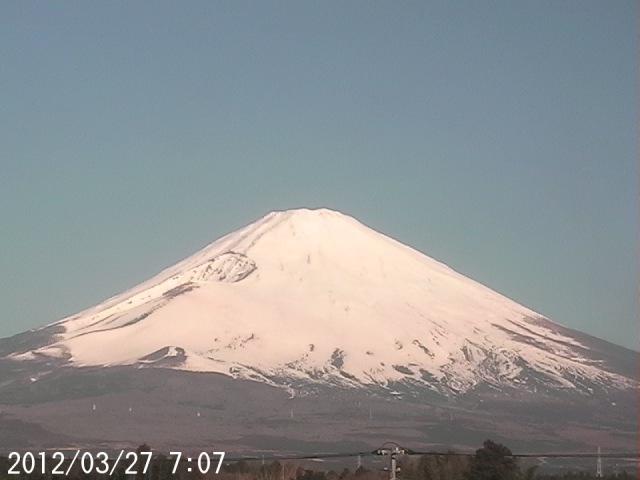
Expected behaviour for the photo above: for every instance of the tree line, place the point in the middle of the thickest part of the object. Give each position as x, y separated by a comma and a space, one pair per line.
492, 461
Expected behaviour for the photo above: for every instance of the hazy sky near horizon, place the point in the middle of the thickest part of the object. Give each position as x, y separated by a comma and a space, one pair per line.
498, 137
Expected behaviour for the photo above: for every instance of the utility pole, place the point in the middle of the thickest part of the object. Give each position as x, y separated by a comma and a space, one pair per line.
393, 468
599, 465
393, 453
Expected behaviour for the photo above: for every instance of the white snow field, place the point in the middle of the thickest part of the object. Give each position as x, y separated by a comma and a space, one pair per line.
315, 296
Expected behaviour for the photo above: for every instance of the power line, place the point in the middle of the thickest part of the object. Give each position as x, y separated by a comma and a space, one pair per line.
395, 449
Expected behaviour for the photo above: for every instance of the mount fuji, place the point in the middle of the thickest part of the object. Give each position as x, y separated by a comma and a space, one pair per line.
315, 305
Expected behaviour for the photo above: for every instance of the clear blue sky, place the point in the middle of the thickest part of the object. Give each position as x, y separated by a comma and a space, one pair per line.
497, 136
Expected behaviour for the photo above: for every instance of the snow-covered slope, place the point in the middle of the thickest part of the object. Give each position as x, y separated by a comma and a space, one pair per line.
308, 297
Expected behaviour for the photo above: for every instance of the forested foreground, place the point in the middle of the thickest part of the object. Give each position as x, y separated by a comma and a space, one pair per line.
491, 462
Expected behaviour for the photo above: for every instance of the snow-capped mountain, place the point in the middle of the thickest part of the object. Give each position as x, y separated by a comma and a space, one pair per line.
306, 298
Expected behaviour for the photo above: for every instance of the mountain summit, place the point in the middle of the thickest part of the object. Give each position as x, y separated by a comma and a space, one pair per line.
302, 299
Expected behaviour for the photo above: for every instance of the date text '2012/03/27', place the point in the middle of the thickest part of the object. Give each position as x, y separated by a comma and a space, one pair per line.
61, 463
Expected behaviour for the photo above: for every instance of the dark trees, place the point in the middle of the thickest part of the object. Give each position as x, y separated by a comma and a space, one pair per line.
493, 462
